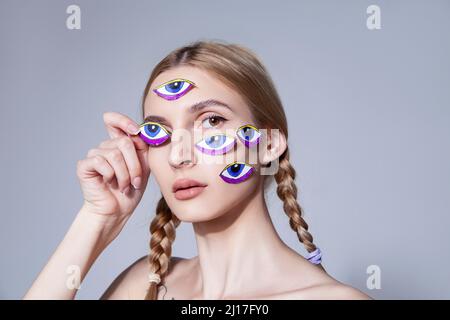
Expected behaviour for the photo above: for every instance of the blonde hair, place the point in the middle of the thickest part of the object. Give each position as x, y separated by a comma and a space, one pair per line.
239, 68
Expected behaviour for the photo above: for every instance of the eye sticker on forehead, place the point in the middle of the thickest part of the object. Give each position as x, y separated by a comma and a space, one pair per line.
153, 133
216, 144
249, 135
174, 89
236, 172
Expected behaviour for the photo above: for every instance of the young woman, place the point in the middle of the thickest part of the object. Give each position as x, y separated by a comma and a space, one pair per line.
214, 136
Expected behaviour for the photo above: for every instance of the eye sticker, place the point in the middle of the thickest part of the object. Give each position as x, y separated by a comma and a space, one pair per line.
249, 135
216, 144
236, 172
153, 133
174, 89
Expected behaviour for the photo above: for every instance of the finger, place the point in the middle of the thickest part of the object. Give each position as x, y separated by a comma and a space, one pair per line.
94, 166
139, 144
117, 161
118, 124
132, 161
141, 156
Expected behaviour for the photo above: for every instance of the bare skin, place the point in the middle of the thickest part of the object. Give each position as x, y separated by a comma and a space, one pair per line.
184, 283
240, 254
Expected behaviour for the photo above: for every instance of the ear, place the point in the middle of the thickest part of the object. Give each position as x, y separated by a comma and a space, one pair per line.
273, 145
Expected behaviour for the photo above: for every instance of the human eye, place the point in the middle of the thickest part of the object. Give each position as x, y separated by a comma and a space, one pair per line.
236, 172
216, 144
153, 133
212, 121
174, 89
249, 135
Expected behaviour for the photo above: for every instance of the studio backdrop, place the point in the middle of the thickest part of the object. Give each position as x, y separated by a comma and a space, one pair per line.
365, 86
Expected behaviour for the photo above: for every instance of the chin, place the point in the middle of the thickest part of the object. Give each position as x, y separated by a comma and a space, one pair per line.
194, 210
194, 218
195, 214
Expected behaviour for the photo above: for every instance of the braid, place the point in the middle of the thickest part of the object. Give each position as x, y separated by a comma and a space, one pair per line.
287, 192
162, 229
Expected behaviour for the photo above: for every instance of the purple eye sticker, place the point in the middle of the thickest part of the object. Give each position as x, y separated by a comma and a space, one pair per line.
153, 133
174, 89
236, 172
249, 135
216, 144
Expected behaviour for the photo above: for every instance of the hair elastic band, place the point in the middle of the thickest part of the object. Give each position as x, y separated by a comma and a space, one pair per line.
315, 256
154, 277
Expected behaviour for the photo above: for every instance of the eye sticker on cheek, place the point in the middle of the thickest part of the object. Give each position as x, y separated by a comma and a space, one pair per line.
153, 133
249, 135
174, 89
236, 172
216, 144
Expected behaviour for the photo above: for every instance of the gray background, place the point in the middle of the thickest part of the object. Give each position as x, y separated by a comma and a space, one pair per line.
368, 113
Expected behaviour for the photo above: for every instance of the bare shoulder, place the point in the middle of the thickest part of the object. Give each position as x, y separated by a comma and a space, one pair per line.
132, 283
329, 291
315, 283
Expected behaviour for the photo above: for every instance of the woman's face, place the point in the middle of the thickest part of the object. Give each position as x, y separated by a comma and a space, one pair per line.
178, 158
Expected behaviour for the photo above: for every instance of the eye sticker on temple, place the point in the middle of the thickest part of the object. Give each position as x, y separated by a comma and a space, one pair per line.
153, 133
174, 89
236, 172
249, 135
216, 144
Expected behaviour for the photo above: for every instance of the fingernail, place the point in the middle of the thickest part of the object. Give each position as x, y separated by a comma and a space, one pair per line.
125, 191
137, 182
133, 129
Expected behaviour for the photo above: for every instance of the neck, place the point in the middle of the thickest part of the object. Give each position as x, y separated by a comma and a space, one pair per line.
239, 249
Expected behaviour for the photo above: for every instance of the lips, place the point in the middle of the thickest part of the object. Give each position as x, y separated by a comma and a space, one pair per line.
185, 189
186, 183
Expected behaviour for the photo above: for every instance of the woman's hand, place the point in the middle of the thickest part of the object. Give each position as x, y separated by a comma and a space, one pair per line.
108, 172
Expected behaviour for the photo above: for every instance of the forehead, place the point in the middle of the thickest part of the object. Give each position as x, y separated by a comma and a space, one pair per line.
206, 87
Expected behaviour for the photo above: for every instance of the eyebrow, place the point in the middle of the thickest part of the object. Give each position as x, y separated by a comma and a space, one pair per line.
197, 107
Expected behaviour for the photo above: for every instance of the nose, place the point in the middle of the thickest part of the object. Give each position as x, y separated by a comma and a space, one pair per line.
181, 152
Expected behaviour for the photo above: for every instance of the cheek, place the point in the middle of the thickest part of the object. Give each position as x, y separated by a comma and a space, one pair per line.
153, 159
226, 190
157, 161
225, 194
